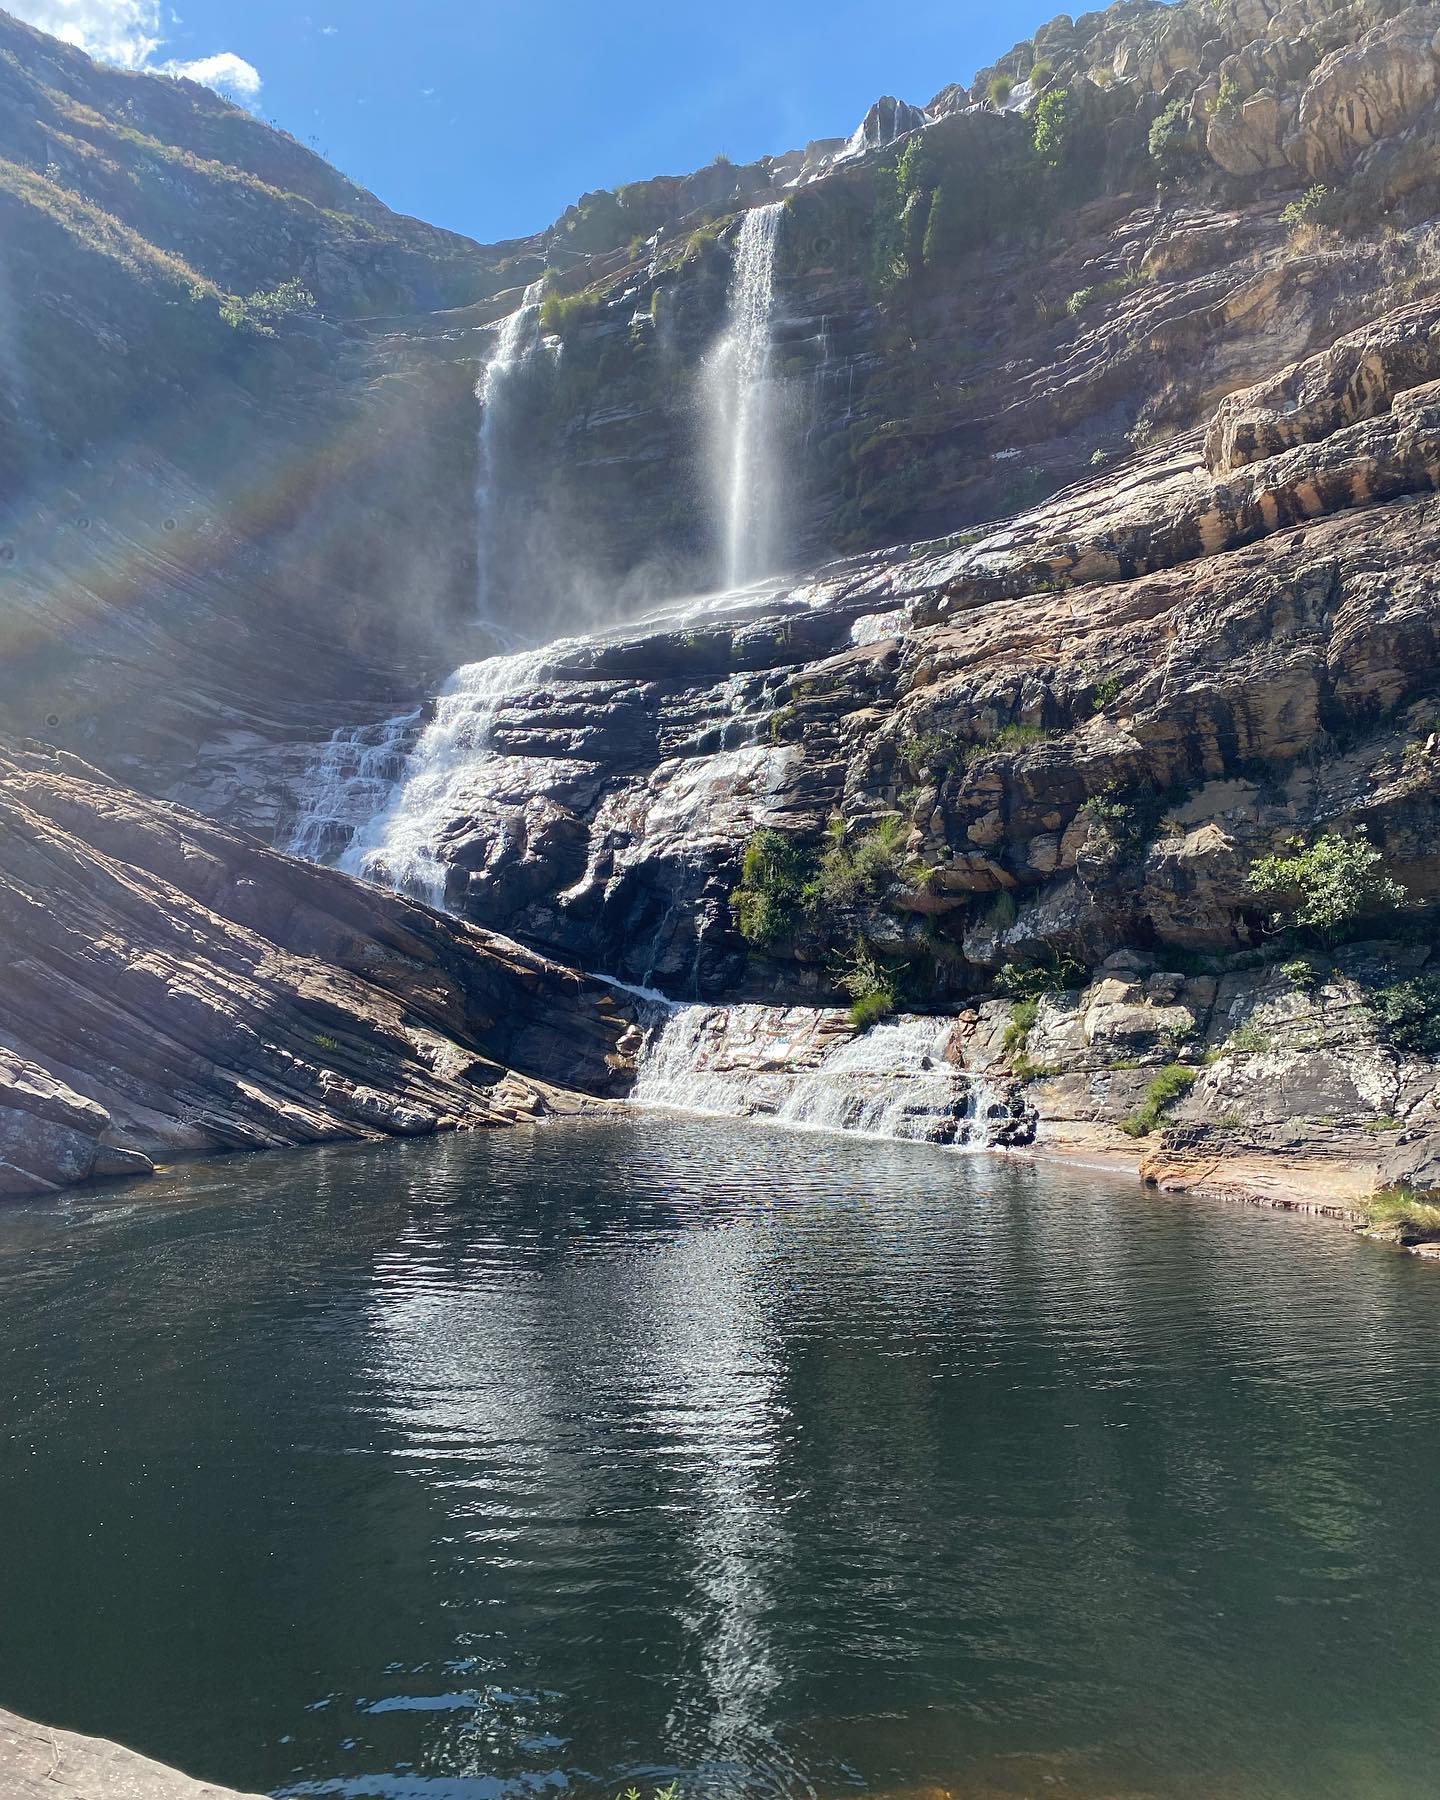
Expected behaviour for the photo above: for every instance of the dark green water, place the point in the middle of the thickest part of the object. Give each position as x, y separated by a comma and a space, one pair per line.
793, 1465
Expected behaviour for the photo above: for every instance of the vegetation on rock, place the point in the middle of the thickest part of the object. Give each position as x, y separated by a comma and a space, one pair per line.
1167, 1090
1326, 886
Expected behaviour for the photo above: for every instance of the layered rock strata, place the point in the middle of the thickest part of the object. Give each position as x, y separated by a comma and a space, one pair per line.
173, 988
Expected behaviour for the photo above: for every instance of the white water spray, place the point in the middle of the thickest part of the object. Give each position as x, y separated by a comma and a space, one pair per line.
515, 345
741, 392
804, 1067
353, 778
452, 767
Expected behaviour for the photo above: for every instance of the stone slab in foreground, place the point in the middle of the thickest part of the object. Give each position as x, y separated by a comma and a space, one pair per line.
39, 1762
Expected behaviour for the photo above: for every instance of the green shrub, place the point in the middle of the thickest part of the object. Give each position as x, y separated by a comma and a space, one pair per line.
1168, 1088
1001, 88
1054, 128
871, 987
1041, 74
926, 751
1008, 737
1401, 1210
261, 311
1106, 693
1126, 820
870, 1009
1248, 1040
1086, 297
560, 313
1025, 1068
1172, 142
1302, 974
1227, 101
1028, 981
1022, 1022
1309, 209
770, 902
851, 874
1406, 1014
1326, 886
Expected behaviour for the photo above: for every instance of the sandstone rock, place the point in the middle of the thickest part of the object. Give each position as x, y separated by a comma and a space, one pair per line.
1364, 92
40, 1762
172, 986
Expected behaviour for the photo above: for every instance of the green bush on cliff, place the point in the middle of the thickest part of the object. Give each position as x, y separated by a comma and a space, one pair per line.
1054, 132
1084, 298
1027, 981
560, 313
1310, 209
1406, 1014
1022, 1022
263, 310
1168, 1088
772, 898
1001, 88
1326, 887
1227, 100
862, 872
1173, 144
870, 985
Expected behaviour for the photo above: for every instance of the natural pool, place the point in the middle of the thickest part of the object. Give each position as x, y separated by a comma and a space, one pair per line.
786, 1464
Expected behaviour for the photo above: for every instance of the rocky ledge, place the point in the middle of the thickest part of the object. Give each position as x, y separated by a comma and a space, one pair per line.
39, 1762
175, 988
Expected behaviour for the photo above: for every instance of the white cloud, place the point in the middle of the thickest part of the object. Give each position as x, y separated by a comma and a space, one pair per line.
227, 73
129, 33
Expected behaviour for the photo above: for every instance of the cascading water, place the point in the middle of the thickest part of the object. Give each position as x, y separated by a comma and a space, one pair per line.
804, 1067
353, 778
451, 764
743, 409
515, 345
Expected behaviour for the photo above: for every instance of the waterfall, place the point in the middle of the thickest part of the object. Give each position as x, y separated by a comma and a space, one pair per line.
804, 1067
451, 763
515, 344
353, 779
741, 400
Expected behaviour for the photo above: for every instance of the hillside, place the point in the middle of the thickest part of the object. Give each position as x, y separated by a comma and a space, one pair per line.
1105, 453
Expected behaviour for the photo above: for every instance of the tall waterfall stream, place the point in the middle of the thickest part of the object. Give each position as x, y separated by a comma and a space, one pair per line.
383, 797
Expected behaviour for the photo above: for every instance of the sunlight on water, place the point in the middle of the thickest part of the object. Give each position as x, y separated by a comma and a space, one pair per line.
786, 1465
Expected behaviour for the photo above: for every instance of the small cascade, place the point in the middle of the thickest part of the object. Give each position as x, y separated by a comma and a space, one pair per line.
352, 780
451, 761
804, 1067
742, 401
515, 344
892, 1081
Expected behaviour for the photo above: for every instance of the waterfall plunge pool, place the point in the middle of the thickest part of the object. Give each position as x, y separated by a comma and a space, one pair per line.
785, 1465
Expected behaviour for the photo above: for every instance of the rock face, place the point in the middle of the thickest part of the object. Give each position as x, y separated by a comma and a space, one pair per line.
230, 582
1115, 462
172, 987
39, 1762
1088, 723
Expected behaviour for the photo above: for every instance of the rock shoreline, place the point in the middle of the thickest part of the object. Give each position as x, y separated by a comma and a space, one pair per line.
42, 1762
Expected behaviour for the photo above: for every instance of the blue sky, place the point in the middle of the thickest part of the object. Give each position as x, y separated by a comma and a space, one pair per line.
490, 117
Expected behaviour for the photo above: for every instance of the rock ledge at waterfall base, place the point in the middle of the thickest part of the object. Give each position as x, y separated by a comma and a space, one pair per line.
174, 988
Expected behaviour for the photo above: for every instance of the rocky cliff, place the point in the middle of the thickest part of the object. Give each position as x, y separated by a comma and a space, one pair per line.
1106, 419
174, 988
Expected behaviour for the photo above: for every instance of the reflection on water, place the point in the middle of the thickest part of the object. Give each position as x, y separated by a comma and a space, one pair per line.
551, 1459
